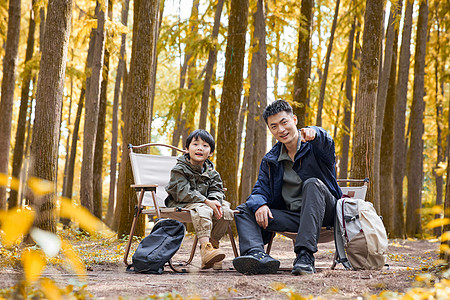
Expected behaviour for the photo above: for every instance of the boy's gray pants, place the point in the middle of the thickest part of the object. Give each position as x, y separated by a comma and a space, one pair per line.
318, 209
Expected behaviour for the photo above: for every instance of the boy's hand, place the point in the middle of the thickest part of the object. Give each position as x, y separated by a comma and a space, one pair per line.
216, 207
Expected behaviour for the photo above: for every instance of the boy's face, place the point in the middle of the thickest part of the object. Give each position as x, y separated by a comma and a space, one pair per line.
283, 127
199, 151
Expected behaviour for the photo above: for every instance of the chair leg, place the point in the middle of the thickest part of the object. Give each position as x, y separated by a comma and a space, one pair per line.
233, 243
133, 227
269, 245
194, 247
334, 261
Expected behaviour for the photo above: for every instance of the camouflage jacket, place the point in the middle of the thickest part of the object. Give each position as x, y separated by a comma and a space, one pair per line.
192, 184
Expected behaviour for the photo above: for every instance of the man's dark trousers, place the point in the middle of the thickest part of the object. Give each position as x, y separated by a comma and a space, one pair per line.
318, 209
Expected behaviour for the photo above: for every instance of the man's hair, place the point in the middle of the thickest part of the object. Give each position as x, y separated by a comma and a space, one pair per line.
276, 107
204, 135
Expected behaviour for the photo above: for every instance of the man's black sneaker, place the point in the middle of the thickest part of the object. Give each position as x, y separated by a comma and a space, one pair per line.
304, 263
256, 262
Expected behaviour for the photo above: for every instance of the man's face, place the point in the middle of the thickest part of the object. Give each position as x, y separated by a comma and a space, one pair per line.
283, 127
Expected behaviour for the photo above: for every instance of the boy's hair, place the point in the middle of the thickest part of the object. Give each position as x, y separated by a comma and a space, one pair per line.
204, 135
276, 107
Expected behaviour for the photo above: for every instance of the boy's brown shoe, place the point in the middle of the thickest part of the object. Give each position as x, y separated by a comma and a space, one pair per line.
210, 256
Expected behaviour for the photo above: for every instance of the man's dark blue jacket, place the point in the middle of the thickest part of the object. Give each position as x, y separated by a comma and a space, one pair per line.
315, 159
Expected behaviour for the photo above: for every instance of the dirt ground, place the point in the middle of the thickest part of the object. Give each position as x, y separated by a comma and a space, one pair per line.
108, 279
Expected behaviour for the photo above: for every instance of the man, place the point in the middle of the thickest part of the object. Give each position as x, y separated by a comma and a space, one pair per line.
296, 191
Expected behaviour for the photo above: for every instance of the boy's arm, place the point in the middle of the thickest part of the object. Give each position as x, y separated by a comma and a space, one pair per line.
215, 190
180, 188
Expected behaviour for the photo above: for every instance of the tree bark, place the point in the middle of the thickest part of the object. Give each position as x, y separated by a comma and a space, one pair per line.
303, 65
231, 98
212, 58
49, 94
8, 86
415, 152
91, 112
115, 119
254, 136
343, 162
19, 145
327, 63
364, 135
400, 121
138, 104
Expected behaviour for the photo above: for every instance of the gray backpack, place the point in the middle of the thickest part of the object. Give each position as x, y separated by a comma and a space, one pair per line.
360, 237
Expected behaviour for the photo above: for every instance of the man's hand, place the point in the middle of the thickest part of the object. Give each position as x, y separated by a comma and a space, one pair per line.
262, 216
307, 134
216, 207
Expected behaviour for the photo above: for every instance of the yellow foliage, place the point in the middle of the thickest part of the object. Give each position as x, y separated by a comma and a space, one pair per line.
41, 187
33, 263
438, 223
445, 236
13, 230
50, 289
85, 219
6, 182
73, 259
442, 168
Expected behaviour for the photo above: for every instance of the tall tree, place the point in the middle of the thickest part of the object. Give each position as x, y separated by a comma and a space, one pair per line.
231, 97
115, 117
8, 86
91, 111
212, 58
343, 162
383, 86
327, 63
398, 226
364, 135
138, 104
303, 65
19, 145
415, 151
258, 94
49, 96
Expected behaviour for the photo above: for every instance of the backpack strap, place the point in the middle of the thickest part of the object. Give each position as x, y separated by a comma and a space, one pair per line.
340, 256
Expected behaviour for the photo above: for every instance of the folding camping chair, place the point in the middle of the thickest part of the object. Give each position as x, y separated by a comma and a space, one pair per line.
327, 233
151, 175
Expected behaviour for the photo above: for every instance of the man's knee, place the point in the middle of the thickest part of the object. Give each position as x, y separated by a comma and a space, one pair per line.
313, 183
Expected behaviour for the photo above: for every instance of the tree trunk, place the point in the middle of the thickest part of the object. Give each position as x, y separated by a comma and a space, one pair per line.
138, 104
303, 66
364, 135
387, 140
8, 86
231, 98
115, 119
400, 121
444, 254
415, 152
343, 162
257, 93
22, 121
50, 88
100, 136
327, 63
381, 98
91, 112
212, 58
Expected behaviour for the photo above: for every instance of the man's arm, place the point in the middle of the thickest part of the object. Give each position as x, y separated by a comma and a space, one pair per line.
323, 144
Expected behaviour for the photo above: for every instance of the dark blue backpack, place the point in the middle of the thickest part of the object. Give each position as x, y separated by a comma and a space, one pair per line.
158, 247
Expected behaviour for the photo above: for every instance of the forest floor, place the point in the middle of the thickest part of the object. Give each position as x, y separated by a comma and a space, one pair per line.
410, 265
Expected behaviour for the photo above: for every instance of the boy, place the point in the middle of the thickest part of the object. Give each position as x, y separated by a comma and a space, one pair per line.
195, 185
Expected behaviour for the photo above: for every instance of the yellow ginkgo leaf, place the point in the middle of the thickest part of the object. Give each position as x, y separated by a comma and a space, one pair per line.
445, 236
50, 289
12, 183
277, 286
73, 259
33, 264
80, 214
435, 210
438, 223
15, 223
441, 169
40, 186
